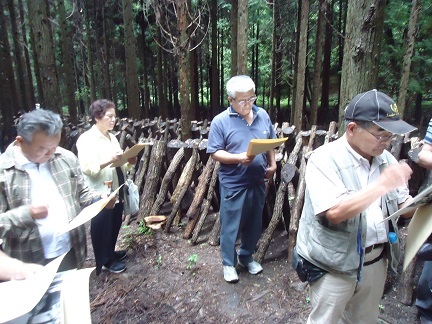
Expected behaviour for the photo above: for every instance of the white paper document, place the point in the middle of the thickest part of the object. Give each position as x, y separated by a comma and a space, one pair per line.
421, 199
90, 211
48, 297
419, 229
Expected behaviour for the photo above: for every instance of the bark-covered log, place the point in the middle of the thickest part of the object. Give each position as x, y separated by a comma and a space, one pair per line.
298, 203
265, 240
214, 236
202, 151
193, 212
206, 204
182, 186
152, 179
331, 132
320, 137
172, 168
406, 284
142, 167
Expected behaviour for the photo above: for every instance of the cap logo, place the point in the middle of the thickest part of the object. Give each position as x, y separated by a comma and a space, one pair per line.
394, 109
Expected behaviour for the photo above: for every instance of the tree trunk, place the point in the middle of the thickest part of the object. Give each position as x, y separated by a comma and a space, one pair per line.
106, 61
406, 67
44, 44
66, 41
363, 34
30, 91
160, 80
242, 37
326, 66
133, 106
214, 68
317, 80
301, 66
234, 35
185, 105
19, 61
7, 82
90, 73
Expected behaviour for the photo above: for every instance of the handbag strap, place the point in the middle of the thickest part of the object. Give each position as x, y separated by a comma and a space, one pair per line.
121, 181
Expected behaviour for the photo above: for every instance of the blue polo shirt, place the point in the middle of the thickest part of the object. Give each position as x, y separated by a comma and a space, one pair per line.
230, 132
428, 137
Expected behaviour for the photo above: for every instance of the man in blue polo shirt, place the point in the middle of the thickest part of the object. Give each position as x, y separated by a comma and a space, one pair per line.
241, 177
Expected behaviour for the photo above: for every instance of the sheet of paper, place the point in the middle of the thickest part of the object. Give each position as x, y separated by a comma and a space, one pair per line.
419, 200
75, 297
257, 146
89, 212
419, 229
130, 153
18, 297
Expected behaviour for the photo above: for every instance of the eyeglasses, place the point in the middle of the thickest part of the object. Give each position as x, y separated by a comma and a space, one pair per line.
111, 116
381, 138
246, 101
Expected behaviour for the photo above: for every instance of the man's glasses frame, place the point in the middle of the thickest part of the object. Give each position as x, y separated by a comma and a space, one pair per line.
246, 101
381, 138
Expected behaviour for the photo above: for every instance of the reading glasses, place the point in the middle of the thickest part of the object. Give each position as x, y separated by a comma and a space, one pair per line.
246, 101
381, 138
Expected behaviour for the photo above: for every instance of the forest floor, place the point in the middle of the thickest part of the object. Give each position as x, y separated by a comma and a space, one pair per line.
169, 280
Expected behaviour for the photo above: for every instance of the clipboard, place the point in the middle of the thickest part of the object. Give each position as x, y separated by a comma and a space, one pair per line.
257, 145
421, 199
130, 153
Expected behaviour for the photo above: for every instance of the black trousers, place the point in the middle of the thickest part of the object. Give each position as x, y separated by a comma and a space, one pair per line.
104, 231
424, 293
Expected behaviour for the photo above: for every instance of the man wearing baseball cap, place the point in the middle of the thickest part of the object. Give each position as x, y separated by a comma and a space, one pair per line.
352, 184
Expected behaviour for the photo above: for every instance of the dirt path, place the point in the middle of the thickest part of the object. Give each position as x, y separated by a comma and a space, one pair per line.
162, 285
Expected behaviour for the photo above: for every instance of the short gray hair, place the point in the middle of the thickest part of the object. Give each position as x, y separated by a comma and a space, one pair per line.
39, 120
239, 83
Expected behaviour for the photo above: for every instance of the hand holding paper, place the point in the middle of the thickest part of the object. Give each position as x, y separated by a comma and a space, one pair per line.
258, 146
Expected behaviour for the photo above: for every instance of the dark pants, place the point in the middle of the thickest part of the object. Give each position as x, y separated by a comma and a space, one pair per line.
104, 231
424, 293
240, 215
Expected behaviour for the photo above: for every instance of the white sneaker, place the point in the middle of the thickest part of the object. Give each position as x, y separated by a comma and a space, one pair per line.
230, 274
253, 267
